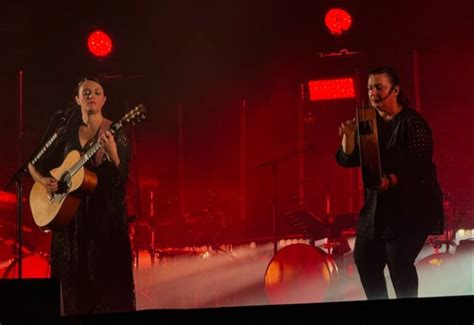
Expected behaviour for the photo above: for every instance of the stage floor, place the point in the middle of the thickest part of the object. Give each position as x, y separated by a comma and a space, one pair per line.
208, 277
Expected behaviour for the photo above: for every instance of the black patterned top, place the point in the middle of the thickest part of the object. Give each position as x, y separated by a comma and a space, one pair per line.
406, 150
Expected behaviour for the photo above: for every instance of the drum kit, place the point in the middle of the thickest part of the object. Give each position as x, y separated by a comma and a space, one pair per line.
306, 272
34, 261
159, 229
291, 269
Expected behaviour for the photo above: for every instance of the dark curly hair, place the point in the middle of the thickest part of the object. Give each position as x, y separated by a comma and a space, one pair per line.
88, 78
392, 75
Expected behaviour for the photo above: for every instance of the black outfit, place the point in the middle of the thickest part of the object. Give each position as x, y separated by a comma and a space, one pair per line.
92, 256
393, 225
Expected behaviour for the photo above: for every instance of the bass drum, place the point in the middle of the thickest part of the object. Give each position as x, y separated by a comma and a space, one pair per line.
33, 266
299, 273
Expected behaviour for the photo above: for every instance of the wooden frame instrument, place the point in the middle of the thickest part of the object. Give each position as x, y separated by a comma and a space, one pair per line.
366, 118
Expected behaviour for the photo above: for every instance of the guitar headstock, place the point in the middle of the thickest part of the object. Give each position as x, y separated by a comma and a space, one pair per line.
135, 115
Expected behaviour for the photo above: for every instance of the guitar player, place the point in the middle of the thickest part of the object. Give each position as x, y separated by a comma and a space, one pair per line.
91, 255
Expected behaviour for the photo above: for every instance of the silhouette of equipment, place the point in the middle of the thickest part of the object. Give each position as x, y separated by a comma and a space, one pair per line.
329, 226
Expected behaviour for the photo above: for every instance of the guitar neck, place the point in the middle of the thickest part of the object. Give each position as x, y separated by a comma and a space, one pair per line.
85, 158
133, 116
48, 144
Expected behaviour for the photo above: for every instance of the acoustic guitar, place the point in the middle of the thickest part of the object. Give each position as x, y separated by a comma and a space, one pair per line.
53, 210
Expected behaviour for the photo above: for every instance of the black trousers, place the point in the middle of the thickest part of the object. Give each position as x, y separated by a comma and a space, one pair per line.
372, 255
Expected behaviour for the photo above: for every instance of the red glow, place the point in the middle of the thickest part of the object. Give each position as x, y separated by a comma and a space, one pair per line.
331, 89
99, 43
299, 268
33, 267
7, 200
338, 21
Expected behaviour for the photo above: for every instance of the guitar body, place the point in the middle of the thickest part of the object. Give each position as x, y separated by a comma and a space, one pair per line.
53, 211
57, 210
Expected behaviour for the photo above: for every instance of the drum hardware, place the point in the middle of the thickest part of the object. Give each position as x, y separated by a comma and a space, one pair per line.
137, 249
17, 178
210, 221
273, 163
298, 269
34, 266
331, 226
208, 225
8, 248
452, 223
337, 247
308, 224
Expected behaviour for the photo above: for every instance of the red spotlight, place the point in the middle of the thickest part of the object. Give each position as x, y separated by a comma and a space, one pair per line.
338, 21
331, 89
99, 43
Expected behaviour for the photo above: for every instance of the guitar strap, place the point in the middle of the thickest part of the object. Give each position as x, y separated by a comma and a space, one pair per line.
100, 155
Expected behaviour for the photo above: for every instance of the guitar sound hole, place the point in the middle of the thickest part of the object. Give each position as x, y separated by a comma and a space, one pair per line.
64, 184
63, 187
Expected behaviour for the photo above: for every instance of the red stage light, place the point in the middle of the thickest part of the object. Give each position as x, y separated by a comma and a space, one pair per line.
331, 89
338, 21
99, 43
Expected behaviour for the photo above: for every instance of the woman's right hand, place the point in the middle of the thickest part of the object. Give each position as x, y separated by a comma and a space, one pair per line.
51, 184
348, 127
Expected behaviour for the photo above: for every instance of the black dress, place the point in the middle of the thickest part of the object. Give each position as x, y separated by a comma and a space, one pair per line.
92, 256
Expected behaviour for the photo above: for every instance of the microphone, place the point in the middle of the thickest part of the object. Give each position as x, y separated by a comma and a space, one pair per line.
66, 113
67, 110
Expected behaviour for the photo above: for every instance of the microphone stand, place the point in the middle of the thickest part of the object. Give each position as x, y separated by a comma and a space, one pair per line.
138, 208
273, 163
18, 176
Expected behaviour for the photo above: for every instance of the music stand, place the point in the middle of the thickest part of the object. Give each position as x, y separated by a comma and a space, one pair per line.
308, 224
274, 165
329, 226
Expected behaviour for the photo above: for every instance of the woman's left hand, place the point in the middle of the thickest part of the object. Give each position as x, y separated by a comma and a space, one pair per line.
384, 184
388, 181
107, 140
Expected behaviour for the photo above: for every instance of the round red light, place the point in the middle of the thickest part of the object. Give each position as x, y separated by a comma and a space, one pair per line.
338, 21
99, 43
